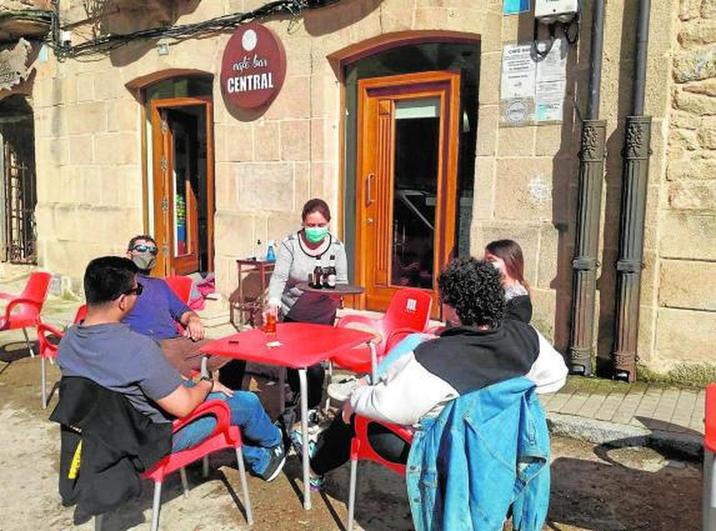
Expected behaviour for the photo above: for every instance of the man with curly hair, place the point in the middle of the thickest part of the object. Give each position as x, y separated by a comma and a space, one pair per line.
478, 348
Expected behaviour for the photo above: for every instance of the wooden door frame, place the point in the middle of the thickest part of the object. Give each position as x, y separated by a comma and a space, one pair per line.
446, 85
158, 180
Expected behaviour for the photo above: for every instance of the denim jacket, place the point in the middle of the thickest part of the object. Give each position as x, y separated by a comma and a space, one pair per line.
504, 428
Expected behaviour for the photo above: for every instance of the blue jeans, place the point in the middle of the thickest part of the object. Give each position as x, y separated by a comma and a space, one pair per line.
258, 432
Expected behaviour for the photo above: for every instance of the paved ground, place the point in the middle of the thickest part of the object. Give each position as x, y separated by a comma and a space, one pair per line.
595, 486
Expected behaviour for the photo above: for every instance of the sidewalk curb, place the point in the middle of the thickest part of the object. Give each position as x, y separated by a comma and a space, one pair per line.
687, 445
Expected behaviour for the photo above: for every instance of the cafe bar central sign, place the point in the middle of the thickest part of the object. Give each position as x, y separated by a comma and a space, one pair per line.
253, 67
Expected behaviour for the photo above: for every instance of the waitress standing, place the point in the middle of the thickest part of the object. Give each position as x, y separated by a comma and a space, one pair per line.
295, 259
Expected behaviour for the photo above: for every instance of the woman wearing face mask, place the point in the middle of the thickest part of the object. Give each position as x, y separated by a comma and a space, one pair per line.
506, 256
295, 259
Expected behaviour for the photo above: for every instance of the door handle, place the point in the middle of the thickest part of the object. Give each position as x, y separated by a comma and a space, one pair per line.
369, 189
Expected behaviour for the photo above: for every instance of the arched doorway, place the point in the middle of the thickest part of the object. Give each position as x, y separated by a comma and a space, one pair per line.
180, 172
410, 143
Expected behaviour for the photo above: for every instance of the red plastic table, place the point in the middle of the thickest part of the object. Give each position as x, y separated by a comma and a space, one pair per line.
301, 345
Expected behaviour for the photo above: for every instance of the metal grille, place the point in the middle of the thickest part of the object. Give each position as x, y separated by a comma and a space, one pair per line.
20, 193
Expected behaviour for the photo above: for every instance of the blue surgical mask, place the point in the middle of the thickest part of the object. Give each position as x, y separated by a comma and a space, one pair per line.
315, 234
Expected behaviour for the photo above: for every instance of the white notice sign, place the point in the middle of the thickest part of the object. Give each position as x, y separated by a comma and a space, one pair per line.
518, 72
551, 84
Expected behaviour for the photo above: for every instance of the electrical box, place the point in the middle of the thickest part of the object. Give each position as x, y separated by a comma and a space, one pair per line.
549, 11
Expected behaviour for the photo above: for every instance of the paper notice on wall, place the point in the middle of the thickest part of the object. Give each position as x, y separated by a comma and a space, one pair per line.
551, 82
532, 88
518, 72
517, 87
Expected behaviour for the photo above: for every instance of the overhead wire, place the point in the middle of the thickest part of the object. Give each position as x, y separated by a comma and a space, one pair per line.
106, 43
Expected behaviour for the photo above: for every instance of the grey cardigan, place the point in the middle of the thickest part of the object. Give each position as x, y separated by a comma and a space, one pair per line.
294, 261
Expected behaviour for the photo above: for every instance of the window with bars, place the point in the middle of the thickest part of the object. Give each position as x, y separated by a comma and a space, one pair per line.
18, 193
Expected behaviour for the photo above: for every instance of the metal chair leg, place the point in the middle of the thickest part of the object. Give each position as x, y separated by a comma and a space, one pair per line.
156, 505
352, 493
43, 381
244, 486
27, 342
98, 522
184, 481
205, 466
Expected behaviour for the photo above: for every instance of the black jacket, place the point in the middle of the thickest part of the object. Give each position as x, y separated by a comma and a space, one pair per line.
519, 308
118, 444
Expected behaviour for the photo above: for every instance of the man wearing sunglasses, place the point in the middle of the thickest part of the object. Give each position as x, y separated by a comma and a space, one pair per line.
158, 311
105, 350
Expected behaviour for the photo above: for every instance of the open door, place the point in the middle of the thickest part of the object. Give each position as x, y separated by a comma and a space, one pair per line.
183, 164
407, 180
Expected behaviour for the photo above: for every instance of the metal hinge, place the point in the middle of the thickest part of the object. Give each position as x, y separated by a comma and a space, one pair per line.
165, 204
163, 164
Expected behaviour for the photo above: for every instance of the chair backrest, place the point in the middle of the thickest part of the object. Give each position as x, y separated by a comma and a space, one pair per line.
37, 287
361, 448
48, 339
81, 314
181, 286
410, 309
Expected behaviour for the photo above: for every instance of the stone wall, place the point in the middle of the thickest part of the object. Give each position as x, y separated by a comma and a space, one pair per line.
686, 318
89, 131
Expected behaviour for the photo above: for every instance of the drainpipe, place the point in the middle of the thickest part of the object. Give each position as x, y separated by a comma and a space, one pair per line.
633, 209
591, 174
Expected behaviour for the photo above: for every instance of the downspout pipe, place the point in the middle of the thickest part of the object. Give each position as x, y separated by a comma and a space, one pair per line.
591, 177
635, 178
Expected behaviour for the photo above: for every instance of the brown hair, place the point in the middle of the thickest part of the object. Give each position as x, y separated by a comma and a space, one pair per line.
138, 237
316, 205
511, 253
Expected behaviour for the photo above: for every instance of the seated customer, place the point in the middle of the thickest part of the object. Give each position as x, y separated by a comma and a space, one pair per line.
158, 311
506, 256
479, 348
105, 350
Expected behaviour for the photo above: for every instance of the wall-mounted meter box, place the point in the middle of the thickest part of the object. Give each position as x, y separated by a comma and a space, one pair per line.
549, 11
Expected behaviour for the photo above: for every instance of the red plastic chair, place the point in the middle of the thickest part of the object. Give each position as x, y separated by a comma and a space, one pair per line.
709, 499
23, 311
224, 436
362, 450
48, 340
408, 312
81, 314
181, 286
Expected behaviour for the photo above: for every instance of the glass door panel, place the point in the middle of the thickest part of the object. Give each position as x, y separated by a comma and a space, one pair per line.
415, 188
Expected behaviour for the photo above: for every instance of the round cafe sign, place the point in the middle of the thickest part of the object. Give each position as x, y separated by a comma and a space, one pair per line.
253, 67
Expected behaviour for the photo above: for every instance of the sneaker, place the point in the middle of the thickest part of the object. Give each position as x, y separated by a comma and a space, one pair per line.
341, 391
297, 443
276, 462
315, 483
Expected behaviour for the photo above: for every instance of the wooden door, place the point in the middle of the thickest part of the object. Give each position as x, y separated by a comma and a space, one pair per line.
406, 182
176, 184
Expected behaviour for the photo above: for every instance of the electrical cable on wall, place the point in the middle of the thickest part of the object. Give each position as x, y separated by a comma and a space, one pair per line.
109, 42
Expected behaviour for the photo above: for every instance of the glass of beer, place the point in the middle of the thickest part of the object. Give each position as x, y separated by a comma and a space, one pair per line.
270, 319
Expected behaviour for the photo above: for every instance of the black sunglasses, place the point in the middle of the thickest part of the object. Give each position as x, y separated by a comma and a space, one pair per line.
135, 291
141, 248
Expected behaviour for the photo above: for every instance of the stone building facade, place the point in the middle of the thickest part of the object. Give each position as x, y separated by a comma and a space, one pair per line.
93, 137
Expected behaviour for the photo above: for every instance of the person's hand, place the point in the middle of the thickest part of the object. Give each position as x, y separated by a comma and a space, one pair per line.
347, 412
194, 328
221, 388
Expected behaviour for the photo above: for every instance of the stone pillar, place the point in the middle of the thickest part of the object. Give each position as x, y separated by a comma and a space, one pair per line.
584, 265
631, 244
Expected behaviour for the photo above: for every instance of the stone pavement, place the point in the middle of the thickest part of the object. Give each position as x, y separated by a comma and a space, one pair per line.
639, 414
